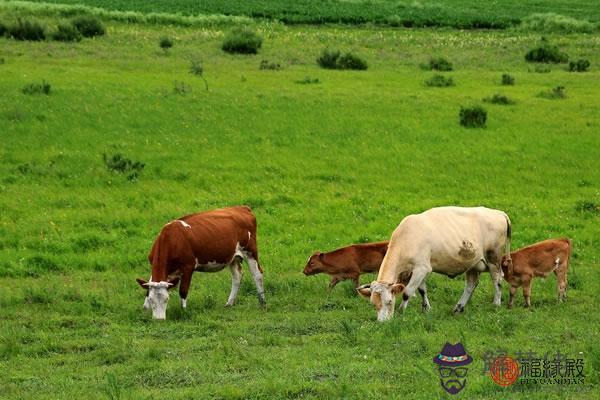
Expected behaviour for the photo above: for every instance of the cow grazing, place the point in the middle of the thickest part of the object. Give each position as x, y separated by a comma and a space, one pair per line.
538, 260
206, 242
447, 240
347, 262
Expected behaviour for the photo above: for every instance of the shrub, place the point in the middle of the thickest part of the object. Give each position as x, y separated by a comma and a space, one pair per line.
556, 93
269, 65
89, 26
242, 40
37, 88
120, 164
3, 28
473, 117
581, 65
66, 33
508, 80
546, 53
196, 68
328, 59
165, 43
440, 64
27, 30
181, 88
586, 206
550, 22
438, 80
352, 61
499, 99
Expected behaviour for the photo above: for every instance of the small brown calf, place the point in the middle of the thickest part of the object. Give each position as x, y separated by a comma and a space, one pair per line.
348, 262
537, 260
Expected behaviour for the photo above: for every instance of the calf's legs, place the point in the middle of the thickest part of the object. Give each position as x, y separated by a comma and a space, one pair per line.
527, 290
513, 290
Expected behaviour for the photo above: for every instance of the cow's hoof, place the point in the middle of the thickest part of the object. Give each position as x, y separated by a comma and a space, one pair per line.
426, 309
229, 304
459, 309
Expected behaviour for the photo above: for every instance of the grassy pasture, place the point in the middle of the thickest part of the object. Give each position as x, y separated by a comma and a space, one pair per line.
323, 165
455, 13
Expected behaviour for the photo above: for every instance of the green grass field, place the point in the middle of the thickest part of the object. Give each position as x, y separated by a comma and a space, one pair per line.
455, 13
323, 165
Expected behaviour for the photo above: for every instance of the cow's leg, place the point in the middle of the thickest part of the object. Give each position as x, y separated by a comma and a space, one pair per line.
496, 274
513, 290
236, 278
334, 281
471, 282
184, 285
418, 277
423, 292
561, 276
527, 290
258, 279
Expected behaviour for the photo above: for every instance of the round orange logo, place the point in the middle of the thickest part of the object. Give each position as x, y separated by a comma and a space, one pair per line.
504, 371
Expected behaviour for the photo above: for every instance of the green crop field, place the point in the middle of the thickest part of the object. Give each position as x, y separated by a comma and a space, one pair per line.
337, 161
456, 13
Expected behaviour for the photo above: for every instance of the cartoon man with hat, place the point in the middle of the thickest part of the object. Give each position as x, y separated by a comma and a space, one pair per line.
452, 362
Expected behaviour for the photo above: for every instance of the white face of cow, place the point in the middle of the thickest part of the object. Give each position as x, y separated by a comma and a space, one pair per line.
383, 297
158, 297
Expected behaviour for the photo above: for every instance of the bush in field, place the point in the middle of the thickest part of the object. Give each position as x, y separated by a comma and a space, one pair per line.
546, 53
352, 61
438, 80
473, 117
550, 22
307, 80
27, 30
66, 33
181, 88
120, 164
439, 64
196, 68
334, 59
269, 65
556, 93
89, 26
3, 28
242, 41
508, 80
328, 59
37, 88
165, 43
581, 65
499, 99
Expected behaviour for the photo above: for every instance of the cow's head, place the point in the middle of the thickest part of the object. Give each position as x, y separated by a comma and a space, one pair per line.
157, 297
507, 266
383, 297
314, 264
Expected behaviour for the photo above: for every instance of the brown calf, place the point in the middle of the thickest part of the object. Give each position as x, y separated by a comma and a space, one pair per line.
347, 262
539, 259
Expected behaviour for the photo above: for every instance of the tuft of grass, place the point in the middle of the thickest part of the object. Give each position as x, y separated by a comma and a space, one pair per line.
508, 80
269, 65
37, 88
242, 41
473, 117
439, 64
555, 23
25, 29
181, 88
438, 80
197, 69
328, 58
546, 53
66, 32
34, 295
120, 164
541, 69
586, 206
165, 43
557, 92
89, 26
581, 65
112, 388
334, 59
307, 80
499, 99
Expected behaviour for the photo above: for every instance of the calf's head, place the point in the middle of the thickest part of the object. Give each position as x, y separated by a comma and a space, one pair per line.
157, 297
507, 267
314, 264
383, 297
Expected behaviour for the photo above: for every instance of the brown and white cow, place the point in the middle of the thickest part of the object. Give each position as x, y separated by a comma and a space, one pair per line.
347, 262
206, 242
447, 240
537, 260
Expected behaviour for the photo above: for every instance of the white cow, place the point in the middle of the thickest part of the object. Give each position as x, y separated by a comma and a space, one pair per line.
447, 240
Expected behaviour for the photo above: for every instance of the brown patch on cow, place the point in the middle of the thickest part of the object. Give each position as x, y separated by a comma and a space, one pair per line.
466, 250
376, 300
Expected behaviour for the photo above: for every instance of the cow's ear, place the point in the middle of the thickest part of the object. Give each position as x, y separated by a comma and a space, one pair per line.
142, 283
173, 282
364, 290
320, 255
397, 288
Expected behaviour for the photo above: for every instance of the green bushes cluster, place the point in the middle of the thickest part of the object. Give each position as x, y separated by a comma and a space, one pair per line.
66, 32
120, 164
473, 117
557, 92
37, 88
439, 64
438, 80
508, 80
71, 31
89, 26
26, 30
581, 65
242, 41
499, 99
546, 53
334, 59
165, 43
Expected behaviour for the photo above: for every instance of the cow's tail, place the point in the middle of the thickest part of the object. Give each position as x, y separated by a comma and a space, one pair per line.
507, 244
